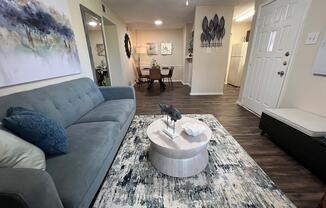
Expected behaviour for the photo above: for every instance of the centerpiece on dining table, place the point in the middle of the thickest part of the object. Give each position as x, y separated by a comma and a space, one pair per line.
155, 64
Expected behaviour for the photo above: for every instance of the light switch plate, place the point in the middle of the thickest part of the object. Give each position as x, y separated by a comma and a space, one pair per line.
312, 38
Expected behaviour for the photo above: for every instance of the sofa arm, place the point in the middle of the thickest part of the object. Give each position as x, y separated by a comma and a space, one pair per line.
30, 187
116, 93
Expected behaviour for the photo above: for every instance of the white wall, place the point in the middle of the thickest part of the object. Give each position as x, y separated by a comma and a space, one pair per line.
210, 64
239, 31
78, 28
305, 90
174, 36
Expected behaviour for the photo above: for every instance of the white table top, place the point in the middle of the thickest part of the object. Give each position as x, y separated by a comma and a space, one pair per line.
183, 141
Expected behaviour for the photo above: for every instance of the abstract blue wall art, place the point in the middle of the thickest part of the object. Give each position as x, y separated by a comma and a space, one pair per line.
36, 41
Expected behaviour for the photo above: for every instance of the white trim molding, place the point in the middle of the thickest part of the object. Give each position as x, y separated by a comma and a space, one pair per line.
238, 102
177, 67
177, 80
206, 93
186, 83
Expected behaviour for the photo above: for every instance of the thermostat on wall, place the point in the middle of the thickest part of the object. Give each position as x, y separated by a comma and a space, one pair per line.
312, 38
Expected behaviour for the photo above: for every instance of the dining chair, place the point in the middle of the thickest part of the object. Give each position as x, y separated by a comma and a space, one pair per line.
155, 74
141, 77
169, 76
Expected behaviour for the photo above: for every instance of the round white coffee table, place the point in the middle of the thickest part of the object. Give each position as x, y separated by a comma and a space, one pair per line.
183, 156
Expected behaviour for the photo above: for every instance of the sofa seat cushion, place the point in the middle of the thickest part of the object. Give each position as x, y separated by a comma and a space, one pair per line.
74, 172
112, 110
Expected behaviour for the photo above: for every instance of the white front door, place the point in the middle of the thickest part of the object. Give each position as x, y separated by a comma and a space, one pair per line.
277, 27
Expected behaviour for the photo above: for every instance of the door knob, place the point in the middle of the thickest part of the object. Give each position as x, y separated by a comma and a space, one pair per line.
287, 53
281, 73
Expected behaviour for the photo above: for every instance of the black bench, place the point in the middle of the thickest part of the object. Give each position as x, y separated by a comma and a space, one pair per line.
299, 133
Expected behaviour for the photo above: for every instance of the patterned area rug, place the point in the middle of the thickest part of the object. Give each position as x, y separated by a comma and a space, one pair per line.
231, 179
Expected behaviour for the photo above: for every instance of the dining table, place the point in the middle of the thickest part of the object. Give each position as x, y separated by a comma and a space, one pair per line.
164, 69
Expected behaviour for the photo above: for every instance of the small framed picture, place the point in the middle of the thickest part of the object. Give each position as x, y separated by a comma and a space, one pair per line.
166, 49
100, 49
152, 49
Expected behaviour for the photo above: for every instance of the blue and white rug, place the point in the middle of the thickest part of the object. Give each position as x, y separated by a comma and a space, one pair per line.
231, 179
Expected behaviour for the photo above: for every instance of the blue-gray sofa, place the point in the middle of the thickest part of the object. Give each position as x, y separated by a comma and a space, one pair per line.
96, 120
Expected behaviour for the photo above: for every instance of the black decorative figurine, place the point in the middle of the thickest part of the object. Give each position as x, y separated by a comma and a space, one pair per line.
174, 115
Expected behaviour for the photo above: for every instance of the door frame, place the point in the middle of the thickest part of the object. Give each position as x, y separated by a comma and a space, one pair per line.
254, 43
106, 45
83, 11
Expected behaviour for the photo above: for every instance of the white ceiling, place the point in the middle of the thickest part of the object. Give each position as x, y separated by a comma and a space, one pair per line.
140, 14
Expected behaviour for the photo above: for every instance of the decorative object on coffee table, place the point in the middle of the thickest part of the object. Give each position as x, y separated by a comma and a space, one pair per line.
182, 157
193, 128
172, 115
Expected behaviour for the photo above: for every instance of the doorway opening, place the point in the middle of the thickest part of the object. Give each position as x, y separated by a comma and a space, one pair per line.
96, 46
240, 35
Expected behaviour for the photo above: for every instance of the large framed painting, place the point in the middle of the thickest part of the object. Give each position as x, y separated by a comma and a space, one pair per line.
36, 41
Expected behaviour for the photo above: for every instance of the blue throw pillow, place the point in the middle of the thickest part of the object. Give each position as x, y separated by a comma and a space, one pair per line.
20, 111
35, 128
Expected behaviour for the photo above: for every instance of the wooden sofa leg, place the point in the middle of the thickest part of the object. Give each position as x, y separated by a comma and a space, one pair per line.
322, 204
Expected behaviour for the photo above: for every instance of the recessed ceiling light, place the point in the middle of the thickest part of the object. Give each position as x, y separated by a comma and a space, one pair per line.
246, 15
92, 23
158, 22
187, 3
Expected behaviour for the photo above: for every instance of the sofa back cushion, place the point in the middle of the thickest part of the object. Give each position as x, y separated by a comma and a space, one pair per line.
64, 102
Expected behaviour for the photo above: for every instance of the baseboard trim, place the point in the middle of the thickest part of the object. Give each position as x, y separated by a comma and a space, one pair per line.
206, 93
186, 83
251, 111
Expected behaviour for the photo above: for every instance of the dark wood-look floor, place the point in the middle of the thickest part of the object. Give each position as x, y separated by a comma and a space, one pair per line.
301, 186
